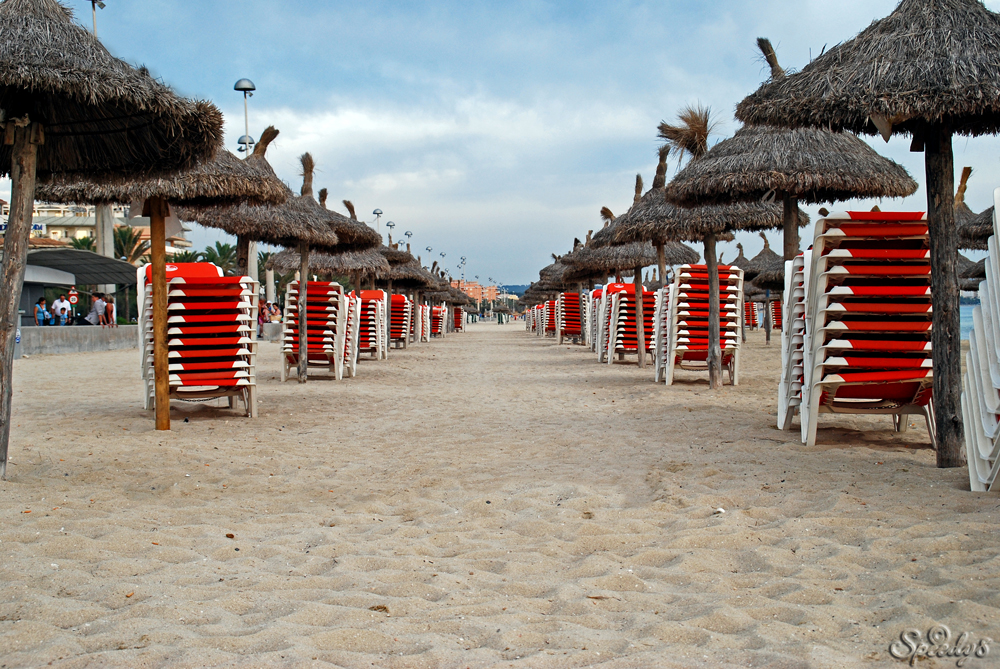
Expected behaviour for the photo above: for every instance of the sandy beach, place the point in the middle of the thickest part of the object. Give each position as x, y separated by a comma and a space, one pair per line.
487, 500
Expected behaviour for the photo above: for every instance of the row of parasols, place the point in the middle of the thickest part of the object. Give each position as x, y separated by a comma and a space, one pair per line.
82, 126
929, 70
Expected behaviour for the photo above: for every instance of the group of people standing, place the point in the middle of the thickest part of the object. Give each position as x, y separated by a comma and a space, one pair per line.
269, 313
102, 312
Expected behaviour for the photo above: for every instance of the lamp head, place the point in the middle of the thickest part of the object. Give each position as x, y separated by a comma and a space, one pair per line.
244, 85
377, 212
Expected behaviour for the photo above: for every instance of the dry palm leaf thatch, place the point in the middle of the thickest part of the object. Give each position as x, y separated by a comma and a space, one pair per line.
101, 117
740, 260
395, 255
809, 164
975, 270
934, 61
299, 219
965, 265
368, 263
225, 180
752, 292
350, 209
813, 165
766, 269
354, 235
973, 234
625, 257
690, 136
410, 275
658, 221
962, 212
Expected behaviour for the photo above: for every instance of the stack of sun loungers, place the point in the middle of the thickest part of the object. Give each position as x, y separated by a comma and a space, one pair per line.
592, 301
399, 319
776, 313
371, 326
687, 322
793, 339
210, 343
604, 322
867, 347
550, 318
352, 336
570, 324
327, 310
661, 331
458, 318
439, 316
750, 315
622, 332
981, 396
424, 324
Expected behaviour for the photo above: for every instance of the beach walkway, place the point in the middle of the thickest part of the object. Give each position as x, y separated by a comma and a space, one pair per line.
490, 499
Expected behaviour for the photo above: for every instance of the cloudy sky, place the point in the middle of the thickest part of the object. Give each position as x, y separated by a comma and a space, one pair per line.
497, 130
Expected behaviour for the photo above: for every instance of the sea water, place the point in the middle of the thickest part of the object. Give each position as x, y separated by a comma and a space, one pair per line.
966, 313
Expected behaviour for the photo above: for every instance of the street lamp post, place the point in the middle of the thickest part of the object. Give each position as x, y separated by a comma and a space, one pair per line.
94, 4
378, 217
247, 87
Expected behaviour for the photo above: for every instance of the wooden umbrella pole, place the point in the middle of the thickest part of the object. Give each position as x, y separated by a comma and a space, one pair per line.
388, 316
767, 317
24, 158
714, 349
790, 226
640, 321
303, 325
157, 210
243, 255
661, 263
946, 333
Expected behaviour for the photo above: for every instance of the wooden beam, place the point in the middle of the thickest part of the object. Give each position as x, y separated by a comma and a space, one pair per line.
303, 326
156, 209
714, 349
790, 226
24, 158
946, 336
640, 321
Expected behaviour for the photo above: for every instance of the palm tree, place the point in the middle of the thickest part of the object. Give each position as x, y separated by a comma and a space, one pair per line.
129, 245
83, 243
223, 255
262, 258
186, 256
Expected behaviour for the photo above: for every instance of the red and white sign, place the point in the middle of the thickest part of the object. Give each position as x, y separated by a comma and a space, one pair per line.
74, 297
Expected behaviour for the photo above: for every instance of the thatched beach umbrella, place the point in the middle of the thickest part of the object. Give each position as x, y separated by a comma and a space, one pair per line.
973, 229
809, 164
654, 218
931, 69
70, 107
354, 235
299, 220
368, 263
767, 271
220, 181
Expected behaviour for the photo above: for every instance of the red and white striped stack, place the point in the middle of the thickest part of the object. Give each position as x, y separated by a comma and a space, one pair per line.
210, 325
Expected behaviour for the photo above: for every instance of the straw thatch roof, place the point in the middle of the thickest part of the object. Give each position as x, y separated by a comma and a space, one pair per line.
299, 219
470, 309
410, 275
101, 116
752, 292
659, 221
766, 265
393, 254
366, 263
811, 164
975, 270
973, 234
740, 260
612, 259
354, 235
224, 180
929, 61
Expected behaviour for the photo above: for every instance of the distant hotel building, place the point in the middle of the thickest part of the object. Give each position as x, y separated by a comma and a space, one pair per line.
63, 222
476, 291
